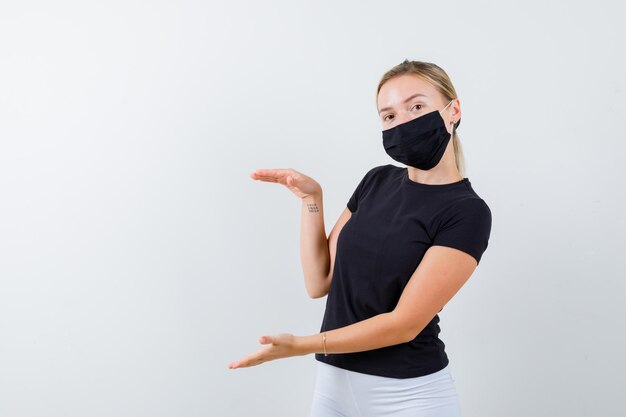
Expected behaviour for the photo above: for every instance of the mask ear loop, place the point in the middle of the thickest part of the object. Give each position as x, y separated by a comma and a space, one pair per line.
452, 122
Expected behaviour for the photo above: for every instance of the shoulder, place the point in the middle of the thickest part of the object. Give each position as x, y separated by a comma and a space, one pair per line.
380, 171
471, 203
369, 181
466, 225
469, 209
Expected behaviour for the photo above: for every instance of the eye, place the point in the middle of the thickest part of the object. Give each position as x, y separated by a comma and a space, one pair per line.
417, 105
385, 118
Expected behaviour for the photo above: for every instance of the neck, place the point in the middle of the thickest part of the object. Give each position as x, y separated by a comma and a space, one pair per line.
441, 174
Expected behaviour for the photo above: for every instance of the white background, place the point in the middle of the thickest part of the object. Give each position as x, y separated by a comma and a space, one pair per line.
138, 258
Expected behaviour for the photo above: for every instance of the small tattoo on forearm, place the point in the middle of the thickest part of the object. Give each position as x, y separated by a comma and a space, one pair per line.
312, 207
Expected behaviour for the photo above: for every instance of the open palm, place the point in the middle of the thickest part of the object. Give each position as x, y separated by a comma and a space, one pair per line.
298, 183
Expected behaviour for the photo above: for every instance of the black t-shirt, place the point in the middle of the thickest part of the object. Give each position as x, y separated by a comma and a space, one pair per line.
394, 221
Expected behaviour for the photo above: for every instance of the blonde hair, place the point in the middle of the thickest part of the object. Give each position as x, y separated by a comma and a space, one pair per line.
440, 80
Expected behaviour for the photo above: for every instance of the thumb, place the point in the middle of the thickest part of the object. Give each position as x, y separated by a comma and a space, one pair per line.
266, 339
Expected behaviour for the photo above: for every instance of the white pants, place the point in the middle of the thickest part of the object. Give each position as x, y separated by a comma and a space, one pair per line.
343, 393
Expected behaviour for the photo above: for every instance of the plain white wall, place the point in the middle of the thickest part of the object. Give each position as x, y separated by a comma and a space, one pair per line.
137, 257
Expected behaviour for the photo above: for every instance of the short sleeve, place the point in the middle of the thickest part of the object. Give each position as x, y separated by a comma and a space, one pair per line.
467, 227
353, 202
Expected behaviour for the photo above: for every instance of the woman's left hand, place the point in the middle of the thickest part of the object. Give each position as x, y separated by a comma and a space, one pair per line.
281, 345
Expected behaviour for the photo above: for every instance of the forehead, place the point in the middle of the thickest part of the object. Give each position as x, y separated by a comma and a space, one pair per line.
396, 90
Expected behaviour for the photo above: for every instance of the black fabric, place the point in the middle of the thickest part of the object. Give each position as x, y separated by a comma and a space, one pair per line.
394, 221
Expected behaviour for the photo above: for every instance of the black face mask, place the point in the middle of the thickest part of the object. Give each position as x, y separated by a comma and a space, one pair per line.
420, 142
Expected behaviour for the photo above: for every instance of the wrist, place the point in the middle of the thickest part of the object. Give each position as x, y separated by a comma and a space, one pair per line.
309, 344
312, 198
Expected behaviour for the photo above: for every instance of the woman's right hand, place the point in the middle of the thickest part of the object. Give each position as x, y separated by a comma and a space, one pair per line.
298, 183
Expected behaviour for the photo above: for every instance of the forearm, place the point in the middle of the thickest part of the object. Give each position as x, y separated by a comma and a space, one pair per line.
376, 332
314, 252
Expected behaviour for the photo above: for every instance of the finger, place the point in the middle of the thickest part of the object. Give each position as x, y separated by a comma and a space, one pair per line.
242, 363
250, 360
245, 363
271, 172
277, 180
266, 178
267, 174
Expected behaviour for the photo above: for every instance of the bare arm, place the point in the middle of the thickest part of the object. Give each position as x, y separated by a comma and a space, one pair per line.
317, 252
439, 276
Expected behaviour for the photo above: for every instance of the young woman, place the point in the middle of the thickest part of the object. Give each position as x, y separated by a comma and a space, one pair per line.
408, 240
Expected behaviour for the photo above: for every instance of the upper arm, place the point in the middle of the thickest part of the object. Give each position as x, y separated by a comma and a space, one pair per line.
457, 248
332, 245
439, 276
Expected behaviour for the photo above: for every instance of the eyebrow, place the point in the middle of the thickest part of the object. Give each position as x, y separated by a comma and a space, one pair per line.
405, 101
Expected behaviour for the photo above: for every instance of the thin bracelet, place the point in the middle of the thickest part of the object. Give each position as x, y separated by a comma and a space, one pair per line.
324, 337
